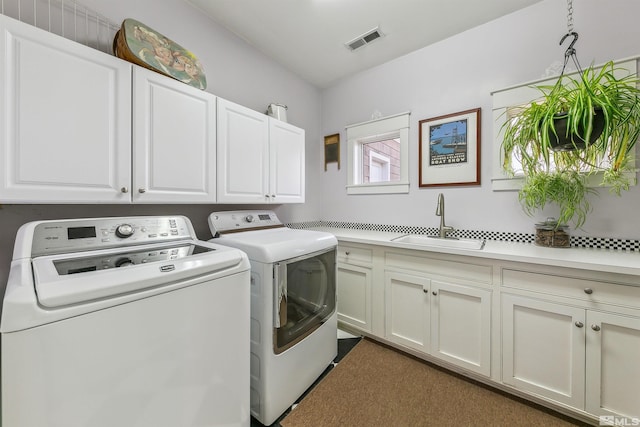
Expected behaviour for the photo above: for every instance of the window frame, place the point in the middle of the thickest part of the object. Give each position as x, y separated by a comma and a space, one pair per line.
522, 94
390, 127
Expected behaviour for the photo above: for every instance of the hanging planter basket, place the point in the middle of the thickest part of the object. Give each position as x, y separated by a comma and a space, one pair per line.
565, 140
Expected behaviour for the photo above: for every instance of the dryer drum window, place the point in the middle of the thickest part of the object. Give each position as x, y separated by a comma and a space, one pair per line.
305, 297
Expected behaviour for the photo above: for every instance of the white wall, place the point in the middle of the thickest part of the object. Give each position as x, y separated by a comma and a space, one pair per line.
459, 74
235, 71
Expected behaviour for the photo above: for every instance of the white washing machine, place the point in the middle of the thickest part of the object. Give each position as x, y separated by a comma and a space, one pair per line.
293, 305
124, 322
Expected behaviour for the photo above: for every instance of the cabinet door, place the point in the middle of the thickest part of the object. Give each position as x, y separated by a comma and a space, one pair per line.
287, 163
407, 310
461, 326
243, 154
613, 357
543, 348
65, 118
174, 141
354, 295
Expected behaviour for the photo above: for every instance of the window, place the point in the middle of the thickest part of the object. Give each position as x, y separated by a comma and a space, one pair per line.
377, 157
505, 106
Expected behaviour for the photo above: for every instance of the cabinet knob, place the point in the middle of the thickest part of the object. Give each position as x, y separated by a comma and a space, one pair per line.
347, 253
124, 190
595, 327
588, 291
273, 196
579, 324
266, 195
434, 293
426, 291
141, 190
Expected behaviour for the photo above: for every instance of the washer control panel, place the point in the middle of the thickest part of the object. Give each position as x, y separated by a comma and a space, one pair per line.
54, 237
127, 258
230, 221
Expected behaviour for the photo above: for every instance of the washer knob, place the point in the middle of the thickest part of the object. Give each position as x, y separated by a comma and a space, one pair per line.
123, 262
249, 218
124, 230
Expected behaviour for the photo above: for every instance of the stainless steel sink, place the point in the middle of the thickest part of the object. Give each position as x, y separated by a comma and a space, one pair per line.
448, 242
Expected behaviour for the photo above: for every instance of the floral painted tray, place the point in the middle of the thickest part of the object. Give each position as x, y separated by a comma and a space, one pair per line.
137, 43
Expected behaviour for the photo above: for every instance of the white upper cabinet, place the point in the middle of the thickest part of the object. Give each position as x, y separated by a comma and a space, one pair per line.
243, 154
286, 165
174, 141
260, 159
65, 118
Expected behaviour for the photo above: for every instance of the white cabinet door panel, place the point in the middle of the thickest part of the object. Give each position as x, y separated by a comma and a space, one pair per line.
65, 119
354, 295
174, 141
543, 348
613, 354
407, 310
243, 154
287, 162
461, 326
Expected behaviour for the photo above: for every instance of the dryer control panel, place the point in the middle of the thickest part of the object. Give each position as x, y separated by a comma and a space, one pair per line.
55, 237
233, 221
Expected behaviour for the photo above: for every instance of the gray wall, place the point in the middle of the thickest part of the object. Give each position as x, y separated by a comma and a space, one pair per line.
458, 74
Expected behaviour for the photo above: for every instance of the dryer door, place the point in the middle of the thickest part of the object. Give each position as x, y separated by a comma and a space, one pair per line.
305, 296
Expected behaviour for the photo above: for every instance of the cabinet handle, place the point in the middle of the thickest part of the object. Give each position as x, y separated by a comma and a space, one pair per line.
141, 190
266, 195
426, 291
579, 324
347, 253
273, 196
124, 190
588, 291
434, 293
595, 327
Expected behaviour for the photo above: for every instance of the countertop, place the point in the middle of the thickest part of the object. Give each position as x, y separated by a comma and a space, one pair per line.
605, 260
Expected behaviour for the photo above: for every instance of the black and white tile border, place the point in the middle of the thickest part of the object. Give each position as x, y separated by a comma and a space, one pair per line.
576, 241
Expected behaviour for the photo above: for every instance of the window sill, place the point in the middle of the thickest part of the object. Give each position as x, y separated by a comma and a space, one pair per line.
379, 188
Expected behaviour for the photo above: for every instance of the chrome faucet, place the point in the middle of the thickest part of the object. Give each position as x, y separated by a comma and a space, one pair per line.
444, 229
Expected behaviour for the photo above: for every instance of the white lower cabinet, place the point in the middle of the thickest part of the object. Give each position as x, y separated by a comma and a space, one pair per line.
586, 359
613, 355
461, 326
407, 320
543, 348
449, 321
566, 337
354, 287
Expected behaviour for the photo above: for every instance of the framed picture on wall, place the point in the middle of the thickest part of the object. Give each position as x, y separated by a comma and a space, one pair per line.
449, 149
332, 150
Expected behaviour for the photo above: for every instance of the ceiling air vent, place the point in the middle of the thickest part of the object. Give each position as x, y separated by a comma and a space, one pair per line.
364, 39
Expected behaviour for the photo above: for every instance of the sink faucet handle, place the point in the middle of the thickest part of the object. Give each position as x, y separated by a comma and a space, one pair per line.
440, 205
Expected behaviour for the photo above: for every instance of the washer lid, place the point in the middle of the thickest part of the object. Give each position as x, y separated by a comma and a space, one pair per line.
63, 280
278, 244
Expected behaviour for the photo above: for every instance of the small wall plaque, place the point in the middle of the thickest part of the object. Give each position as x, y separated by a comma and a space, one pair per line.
332, 150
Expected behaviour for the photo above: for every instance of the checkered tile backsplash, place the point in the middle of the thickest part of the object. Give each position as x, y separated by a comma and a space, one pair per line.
576, 241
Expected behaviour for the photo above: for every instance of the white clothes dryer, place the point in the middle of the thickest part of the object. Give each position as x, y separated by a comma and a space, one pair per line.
293, 305
124, 322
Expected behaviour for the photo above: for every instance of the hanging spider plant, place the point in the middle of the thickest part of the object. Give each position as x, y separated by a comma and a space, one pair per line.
597, 115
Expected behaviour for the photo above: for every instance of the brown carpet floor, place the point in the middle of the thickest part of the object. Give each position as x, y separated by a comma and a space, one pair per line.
375, 385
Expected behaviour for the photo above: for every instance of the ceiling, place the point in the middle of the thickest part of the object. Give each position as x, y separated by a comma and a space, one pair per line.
308, 37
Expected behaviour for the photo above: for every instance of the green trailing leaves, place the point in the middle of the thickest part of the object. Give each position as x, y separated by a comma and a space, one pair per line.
559, 177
